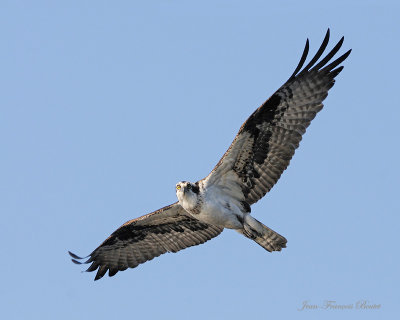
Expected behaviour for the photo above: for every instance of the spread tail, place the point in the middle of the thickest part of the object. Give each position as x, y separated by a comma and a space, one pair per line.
264, 236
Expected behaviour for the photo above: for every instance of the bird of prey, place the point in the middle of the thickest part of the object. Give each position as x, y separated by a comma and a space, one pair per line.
250, 167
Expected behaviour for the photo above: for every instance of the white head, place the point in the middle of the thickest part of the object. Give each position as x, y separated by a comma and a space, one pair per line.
187, 194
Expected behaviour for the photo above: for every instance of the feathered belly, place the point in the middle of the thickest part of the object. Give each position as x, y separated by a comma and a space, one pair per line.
220, 213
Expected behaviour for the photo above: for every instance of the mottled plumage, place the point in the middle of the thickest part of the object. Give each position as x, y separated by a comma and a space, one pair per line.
254, 162
168, 229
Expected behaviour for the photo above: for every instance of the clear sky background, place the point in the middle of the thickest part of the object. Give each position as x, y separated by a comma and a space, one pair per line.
106, 105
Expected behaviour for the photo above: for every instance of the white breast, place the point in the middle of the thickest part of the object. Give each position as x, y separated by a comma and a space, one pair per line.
220, 209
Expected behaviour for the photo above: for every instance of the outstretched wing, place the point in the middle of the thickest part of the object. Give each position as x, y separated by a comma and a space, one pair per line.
266, 142
168, 229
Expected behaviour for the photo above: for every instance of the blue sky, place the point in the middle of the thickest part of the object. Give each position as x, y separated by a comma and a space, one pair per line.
106, 105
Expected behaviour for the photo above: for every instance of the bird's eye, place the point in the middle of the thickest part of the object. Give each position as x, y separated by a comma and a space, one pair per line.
178, 187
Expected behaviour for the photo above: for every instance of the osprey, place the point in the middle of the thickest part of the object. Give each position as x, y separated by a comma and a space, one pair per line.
250, 167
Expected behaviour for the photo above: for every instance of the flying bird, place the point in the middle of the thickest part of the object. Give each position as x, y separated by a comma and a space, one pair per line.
251, 166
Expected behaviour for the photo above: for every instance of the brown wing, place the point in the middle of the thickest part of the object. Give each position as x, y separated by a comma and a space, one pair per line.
266, 142
168, 229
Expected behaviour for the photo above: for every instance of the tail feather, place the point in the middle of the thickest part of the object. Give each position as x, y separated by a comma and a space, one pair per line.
273, 241
264, 236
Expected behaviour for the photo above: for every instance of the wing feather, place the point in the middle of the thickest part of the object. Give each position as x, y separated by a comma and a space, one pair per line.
168, 229
267, 141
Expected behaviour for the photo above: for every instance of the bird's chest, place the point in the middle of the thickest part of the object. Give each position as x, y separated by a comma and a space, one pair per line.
218, 210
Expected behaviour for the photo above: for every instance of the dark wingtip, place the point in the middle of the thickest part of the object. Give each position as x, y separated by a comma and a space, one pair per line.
347, 53
335, 72
73, 255
112, 272
92, 267
319, 52
340, 43
327, 35
329, 56
75, 258
302, 59
338, 61
98, 276
101, 272
75, 261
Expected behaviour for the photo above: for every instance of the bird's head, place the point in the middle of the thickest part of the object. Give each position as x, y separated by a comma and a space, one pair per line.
187, 194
